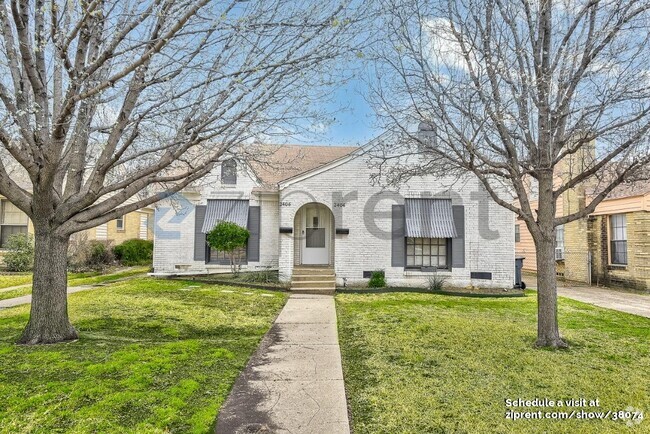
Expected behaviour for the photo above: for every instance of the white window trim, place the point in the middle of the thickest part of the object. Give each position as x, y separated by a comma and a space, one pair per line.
610, 240
559, 247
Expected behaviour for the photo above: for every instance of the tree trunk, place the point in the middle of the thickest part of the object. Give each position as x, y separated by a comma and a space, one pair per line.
48, 320
548, 332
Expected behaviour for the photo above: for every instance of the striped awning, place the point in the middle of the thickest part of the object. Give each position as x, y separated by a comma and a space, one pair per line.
429, 218
229, 210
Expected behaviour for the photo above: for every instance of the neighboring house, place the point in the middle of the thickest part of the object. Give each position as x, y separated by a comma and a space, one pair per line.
12, 221
609, 247
136, 224
314, 206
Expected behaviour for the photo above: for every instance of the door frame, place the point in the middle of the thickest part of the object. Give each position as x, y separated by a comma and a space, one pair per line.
325, 222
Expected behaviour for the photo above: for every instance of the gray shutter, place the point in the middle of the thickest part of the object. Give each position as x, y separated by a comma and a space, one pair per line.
458, 243
253, 248
199, 237
397, 232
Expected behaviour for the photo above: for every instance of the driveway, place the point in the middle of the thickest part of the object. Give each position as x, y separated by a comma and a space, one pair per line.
636, 304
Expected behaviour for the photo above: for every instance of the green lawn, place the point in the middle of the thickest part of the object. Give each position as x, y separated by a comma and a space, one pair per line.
74, 279
154, 356
424, 363
14, 279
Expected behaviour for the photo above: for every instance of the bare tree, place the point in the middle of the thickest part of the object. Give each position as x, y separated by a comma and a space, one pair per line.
508, 90
105, 103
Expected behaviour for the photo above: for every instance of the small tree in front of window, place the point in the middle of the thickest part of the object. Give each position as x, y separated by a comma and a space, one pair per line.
229, 238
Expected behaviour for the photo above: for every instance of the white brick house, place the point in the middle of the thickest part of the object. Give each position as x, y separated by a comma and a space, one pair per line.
321, 209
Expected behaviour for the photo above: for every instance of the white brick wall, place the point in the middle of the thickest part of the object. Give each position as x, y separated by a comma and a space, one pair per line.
173, 247
174, 225
368, 245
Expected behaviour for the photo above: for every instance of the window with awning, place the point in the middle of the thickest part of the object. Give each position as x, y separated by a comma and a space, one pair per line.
437, 217
429, 218
429, 229
229, 210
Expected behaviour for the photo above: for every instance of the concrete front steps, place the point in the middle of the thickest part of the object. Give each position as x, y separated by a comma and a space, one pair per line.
313, 280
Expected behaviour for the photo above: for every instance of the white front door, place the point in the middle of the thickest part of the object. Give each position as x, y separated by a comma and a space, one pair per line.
316, 235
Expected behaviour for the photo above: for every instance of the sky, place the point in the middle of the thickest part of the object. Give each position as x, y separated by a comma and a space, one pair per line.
353, 122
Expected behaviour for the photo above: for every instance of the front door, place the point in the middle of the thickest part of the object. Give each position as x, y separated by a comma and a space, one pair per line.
315, 240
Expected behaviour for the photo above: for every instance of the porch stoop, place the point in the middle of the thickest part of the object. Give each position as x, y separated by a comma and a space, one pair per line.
313, 280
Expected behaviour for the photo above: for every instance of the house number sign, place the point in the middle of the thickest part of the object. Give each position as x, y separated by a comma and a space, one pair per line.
285, 203
339, 204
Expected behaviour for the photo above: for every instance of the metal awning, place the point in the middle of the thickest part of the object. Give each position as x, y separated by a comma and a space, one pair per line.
229, 210
429, 218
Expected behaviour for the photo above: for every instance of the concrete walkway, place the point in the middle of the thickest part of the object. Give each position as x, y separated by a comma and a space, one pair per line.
26, 299
11, 288
294, 381
636, 304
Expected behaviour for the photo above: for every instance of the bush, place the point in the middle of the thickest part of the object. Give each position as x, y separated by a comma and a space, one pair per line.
436, 282
377, 279
265, 276
230, 238
134, 252
100, 255
85, 255
20, 252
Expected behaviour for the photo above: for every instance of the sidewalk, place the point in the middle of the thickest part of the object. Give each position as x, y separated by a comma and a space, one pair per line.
294, 381
11, 288
26, 299
636, 304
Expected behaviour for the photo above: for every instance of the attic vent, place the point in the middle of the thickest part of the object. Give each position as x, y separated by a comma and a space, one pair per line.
229, 172
426, 135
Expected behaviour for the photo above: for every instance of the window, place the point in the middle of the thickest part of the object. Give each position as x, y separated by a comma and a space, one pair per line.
119, 222
221, 257
517, 233
559, 243
229, 172
315, 232
618, 239
12, 221
426, 252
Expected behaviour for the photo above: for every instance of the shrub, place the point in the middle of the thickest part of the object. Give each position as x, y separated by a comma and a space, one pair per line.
264, 276
78, 249
436, 282
229, 238
100, 255
377, 279
85, 255
134, 252
20, 252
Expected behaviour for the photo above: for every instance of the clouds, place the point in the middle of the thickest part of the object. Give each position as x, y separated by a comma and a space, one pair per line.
442, 45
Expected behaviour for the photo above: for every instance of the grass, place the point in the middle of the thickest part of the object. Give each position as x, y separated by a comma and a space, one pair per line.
154, 356
77, 279
14, 279
416, 363
95, 278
